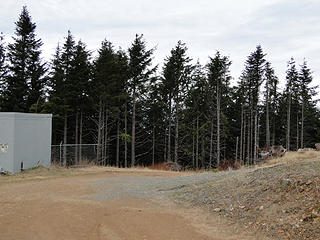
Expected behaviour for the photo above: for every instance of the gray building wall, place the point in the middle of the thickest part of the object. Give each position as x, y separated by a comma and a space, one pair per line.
28, 140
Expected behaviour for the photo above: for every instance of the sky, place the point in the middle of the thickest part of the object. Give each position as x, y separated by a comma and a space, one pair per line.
284, 28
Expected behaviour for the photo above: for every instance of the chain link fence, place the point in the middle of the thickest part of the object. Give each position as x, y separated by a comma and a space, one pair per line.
74, 154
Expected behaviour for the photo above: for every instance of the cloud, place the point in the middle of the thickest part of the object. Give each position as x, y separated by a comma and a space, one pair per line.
284, 28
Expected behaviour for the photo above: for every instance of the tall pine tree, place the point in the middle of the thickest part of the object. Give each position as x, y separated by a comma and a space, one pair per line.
176, 76
3, 68
219, 81
290, 93
251, 80
24, 85
308, 106
140, 70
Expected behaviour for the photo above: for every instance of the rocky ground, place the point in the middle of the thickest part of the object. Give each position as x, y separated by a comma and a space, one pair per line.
282, 201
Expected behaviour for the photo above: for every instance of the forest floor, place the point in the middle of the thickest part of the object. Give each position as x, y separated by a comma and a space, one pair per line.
279, 200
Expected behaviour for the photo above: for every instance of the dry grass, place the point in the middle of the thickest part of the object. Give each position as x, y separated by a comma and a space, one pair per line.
56, 171
295, 157
160, 166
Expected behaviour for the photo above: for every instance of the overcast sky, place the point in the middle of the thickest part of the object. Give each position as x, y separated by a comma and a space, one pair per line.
284, 28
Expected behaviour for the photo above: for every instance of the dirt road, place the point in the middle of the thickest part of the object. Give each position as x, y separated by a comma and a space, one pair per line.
104, 205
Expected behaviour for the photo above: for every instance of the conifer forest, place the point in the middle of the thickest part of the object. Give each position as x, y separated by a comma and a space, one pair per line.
141, 114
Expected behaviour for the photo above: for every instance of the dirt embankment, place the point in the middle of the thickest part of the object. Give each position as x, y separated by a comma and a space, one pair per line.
281, 200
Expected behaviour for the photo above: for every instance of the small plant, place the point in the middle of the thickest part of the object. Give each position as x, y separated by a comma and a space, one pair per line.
126, 137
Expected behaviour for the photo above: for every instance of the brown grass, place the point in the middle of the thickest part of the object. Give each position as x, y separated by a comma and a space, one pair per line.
229, 165
160, 166
295, 157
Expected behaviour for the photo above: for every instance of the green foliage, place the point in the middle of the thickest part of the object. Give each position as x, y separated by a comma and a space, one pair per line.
140, 60
3, 67
252, 77
126, 137
24, 84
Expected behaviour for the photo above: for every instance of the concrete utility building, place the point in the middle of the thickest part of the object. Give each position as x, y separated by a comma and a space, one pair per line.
25, 141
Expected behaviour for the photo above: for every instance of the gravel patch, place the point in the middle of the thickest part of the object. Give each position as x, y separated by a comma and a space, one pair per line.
153, 187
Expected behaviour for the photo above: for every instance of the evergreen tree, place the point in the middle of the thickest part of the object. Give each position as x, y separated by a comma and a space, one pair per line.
3, 68
110, 76
251, 80
155, 122
176, 76
290, 92
25, 82
80, 76
308, 106
140, 70
62, 85
78, 92
194, 119
55, 102
271, 105
219, 81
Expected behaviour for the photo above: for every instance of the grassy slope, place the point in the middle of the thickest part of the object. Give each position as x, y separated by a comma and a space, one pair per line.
281, 198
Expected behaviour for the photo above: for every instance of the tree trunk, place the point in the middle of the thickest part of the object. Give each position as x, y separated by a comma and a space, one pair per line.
203, 153
244, 138
153, 144
211, 146
65, 135
80, 137
237, 143
169, 131
241, 135
76, 148
126, 134
248, 140
302, 125
288, 123
193, 143
133, 130
165, 146
197, 144
274, 114
118, 144
218, 126
273, 130
251, 137
298, 142
267, 117
106, 136
258, 137
255, 137
99, 134
176, 138
103, 158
